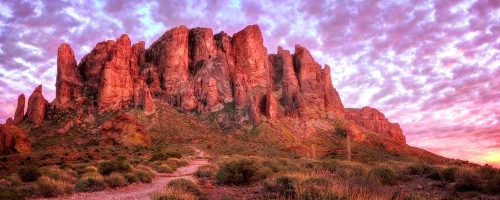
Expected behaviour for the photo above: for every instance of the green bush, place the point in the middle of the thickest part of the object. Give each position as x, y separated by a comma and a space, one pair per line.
383, 175
29, 173
108, 167
115, 180
206, 171
8, 193
164, 155
91, 182
449, 174
239, 171
185, 185
49, 187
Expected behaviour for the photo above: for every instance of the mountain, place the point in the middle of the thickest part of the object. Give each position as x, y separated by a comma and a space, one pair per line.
230, 82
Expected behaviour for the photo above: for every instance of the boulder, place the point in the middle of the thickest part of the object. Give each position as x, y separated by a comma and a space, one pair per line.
68, 81
19, 115
124, 130
9, 121
13, 140
373, 120
37, 107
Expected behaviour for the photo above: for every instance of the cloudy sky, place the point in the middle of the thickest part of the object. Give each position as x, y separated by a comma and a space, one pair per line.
431, 65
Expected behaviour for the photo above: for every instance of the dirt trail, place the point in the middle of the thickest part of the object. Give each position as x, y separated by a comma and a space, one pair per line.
142, 191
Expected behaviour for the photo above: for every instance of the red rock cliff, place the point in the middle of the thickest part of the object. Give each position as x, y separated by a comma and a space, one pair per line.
374, 120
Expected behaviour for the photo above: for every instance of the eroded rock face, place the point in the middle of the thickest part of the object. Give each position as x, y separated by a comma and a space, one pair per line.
37, 106
19, 115
116, 85
286, 80
251, 77
91, 65
333, 104
13, 140
374, 120
170, 54
68, 82
124, 130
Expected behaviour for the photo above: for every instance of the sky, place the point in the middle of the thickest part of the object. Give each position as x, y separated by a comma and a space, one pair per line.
433, 66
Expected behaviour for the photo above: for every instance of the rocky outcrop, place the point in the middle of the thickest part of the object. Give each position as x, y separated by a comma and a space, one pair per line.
170, 55
9, 121
250, 76
123, 130
90, 68
333, 104
19, 115
13, 140
285, 80
37, 107
68, 82
374, 120
116, 85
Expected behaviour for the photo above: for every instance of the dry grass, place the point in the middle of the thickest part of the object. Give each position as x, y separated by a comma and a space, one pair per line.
50, 187
172, 194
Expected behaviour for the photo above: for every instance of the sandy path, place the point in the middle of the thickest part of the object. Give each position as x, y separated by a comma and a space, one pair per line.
142, 191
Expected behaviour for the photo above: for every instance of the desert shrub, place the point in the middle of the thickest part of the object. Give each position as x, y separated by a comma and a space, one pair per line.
176, 162
487, 172
131, 178
115, 180
313, 192
434, 174
383, 175
9, 193
283, 186
50, 187
449, 174
328, 165
468, 181
29, 173
317, 181
421, 169
185, 185
60, 174
144, 175
108, 167
492, 185
239, 171
206, 171
91, 182
279, 165
172, 194
163, 168
164, 155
